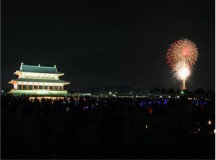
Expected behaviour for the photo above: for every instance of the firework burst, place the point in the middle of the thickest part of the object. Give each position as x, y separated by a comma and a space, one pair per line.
181, 71
182, 50
181, 56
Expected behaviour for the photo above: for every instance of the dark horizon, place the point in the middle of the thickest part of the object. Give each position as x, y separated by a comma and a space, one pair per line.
108, 43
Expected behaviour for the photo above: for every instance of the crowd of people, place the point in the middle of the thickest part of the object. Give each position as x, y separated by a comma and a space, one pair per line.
99, 127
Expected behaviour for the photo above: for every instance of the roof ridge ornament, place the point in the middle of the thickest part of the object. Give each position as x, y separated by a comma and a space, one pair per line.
21, 66
56, 68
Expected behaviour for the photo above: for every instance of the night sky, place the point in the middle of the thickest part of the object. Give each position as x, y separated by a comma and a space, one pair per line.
107, 43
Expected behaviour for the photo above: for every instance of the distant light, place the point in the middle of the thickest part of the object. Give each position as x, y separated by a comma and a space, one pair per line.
67, 109
182, 92
169, 97
146, 126
198, 129
214, 131
209, 122
2, 91
110, 92
161, 96
150, 110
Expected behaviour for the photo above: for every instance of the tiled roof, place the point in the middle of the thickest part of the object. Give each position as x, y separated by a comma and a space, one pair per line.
38, 69
39, 80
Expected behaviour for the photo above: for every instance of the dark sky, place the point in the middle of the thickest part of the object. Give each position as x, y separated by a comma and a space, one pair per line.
107, 43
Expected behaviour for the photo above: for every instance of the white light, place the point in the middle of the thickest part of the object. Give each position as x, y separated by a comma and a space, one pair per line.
183, 73
209, 122
214, 131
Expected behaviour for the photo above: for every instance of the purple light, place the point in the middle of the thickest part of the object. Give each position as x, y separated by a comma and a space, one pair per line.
165, 102
205, 103
142, 104
86, 107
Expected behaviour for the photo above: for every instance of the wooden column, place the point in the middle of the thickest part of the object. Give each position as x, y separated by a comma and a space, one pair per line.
27, 86
38, 87
62, 87
22, 87
43, 86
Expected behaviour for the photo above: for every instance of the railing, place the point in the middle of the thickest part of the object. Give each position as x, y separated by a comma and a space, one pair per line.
43, 92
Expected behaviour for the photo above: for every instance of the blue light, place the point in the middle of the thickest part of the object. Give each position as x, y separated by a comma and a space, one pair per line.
205, 103
165, 102
142, 104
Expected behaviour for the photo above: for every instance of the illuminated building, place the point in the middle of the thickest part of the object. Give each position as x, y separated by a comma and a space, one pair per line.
38, 80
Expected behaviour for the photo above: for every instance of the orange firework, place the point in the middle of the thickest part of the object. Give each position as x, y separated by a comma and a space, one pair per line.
181, 56
182, 50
